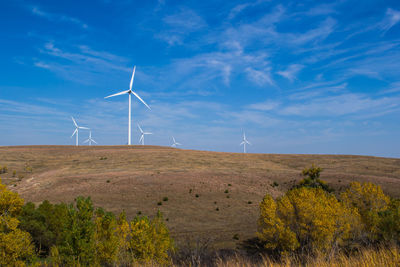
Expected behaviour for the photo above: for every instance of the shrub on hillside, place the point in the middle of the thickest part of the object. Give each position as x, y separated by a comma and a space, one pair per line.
311, 179
307, 219
371, 203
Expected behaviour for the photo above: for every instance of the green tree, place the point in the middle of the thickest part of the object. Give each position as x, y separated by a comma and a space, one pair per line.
311, 179
77, 245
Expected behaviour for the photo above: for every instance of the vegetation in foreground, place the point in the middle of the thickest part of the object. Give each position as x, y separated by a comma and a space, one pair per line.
308, 225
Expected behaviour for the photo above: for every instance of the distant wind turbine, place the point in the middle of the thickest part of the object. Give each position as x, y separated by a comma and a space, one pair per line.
143, 134
90, 139
129, 92
175, 144
244, 142
76, 132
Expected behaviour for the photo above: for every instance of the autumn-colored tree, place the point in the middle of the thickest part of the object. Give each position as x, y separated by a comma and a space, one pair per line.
306, 218
15, 245
150, 240
123, 233
106, 238
370, 201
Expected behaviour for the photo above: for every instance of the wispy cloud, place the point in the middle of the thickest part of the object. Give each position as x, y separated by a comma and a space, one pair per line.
179, 25
291, 72
260, 77
392, 17
57, 17
344, 104
81, 64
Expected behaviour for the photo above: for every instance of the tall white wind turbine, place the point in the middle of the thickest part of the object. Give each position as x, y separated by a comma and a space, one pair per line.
175, 144
76, 132
143, 134
129, 92
90, 139
244, 142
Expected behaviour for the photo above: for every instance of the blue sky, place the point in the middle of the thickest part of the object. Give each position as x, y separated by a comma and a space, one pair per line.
297, 76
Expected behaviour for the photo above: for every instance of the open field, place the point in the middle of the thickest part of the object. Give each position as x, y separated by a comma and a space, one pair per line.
210, 194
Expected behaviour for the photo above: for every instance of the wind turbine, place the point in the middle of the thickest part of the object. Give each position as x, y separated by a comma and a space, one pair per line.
244, 142
76, 132
143, 134
175, 144
129, 92
90, 139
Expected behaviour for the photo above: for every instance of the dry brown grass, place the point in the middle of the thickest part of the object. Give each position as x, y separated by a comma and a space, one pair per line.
137, 178
385, 257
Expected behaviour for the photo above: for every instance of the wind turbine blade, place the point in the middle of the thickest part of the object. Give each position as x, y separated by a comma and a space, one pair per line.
141, 99
173, 139
86, 128
140, 128
241, 143
141, 138
120, 93
74, 132
133, 75
179, 144
86, 141
94, 141
76, 125
248, 142
147, 133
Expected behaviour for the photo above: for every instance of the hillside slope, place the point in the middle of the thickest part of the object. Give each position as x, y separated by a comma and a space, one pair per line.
195, 182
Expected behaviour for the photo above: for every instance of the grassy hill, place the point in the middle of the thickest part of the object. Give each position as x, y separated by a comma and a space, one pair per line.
208, 194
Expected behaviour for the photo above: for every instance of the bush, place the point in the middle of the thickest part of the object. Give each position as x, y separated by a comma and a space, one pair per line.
150, 240
165, 198
389, 225
306, 218
371, 202
312, 180
3, 169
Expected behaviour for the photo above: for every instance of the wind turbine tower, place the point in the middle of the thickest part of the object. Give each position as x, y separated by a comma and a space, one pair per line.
130, 92
244, 142
76, 132
143, 134
90, 139
175, 144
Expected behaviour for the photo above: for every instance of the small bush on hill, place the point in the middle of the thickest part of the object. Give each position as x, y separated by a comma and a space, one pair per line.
312, 180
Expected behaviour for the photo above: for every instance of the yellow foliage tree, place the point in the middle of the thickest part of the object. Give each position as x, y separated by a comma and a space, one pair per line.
106, 238
309, 218
150, 240
15, 245
369, 200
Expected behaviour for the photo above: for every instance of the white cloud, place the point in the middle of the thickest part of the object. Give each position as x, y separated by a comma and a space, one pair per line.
392, 17
291, 72
179, 25
57, 17
80, 64
344, 104
264, 106
260, 77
